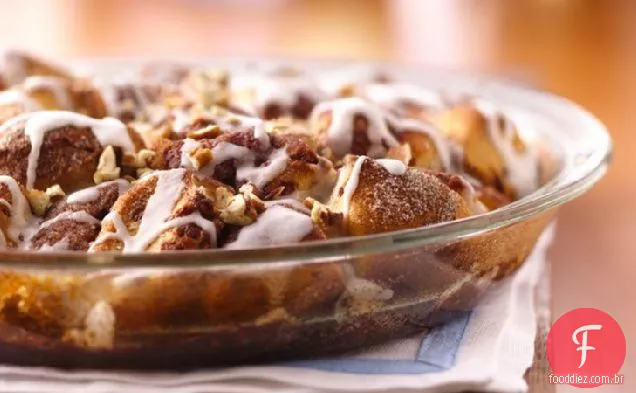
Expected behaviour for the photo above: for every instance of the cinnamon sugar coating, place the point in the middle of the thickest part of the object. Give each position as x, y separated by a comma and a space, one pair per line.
356, 153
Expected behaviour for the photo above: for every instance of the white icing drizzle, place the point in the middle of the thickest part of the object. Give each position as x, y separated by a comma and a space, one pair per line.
156, 216
260, 176
181, 119
276, 225
350, 185
391, 95
18, 97
332, 82
288, 202
108, 92
55, 85
189, 145
469, 195
79, 216
441, 144
522, 170
107, 131
221, 152
394, 167
340, 133
91, 193
261, 134
20, 209
281, 90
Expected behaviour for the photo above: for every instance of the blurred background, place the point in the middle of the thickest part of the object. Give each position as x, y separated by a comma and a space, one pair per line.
582, 49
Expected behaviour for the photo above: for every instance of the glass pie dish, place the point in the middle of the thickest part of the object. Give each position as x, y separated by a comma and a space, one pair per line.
216, 307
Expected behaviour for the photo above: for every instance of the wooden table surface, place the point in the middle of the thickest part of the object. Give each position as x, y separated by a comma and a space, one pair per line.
582, 49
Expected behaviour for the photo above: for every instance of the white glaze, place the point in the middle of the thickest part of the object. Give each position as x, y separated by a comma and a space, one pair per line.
57, 86
332, 82
156, 216
394, 167
107, 131
522, 169
340, 134
276, 225
260, 176
281, 90
92, 193
79, 216
18, 97
108, 93
290, 202
20, 208
470, 196
391, 95
189, 145
350, 185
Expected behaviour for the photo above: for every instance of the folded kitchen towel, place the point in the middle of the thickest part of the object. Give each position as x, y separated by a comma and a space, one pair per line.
485, 350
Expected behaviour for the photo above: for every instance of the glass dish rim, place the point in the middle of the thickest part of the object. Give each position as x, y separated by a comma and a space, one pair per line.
567, 185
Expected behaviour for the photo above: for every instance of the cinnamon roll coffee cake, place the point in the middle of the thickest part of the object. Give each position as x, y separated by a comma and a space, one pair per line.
217, 215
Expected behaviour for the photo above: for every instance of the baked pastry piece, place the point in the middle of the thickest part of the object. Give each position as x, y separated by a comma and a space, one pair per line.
492, 149
126, 101
422, 145
17, 66
378, 196
164, 210
37, 93
73, 222
41, 149
404, 100
276, 165
265, 230
353, 126
236, 155
276, 96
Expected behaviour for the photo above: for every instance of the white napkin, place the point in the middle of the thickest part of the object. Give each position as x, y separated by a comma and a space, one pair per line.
488, 349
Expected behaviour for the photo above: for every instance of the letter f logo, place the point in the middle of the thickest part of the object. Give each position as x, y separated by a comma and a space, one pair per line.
583, 344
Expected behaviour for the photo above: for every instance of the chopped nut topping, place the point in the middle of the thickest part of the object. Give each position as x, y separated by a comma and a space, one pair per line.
200, 158
107, 168
141, 172
222, 198
348, 90
54, 191
209, 88
234, 213
39, 201
141, 159
401, 153
209, 132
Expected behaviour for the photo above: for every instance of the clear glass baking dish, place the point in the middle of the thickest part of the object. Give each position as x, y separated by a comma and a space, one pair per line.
221, 307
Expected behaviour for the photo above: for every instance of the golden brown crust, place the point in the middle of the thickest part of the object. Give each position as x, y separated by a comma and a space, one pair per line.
66, 235
384, 202
194, 198
68, 157
19, 65
481, 158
